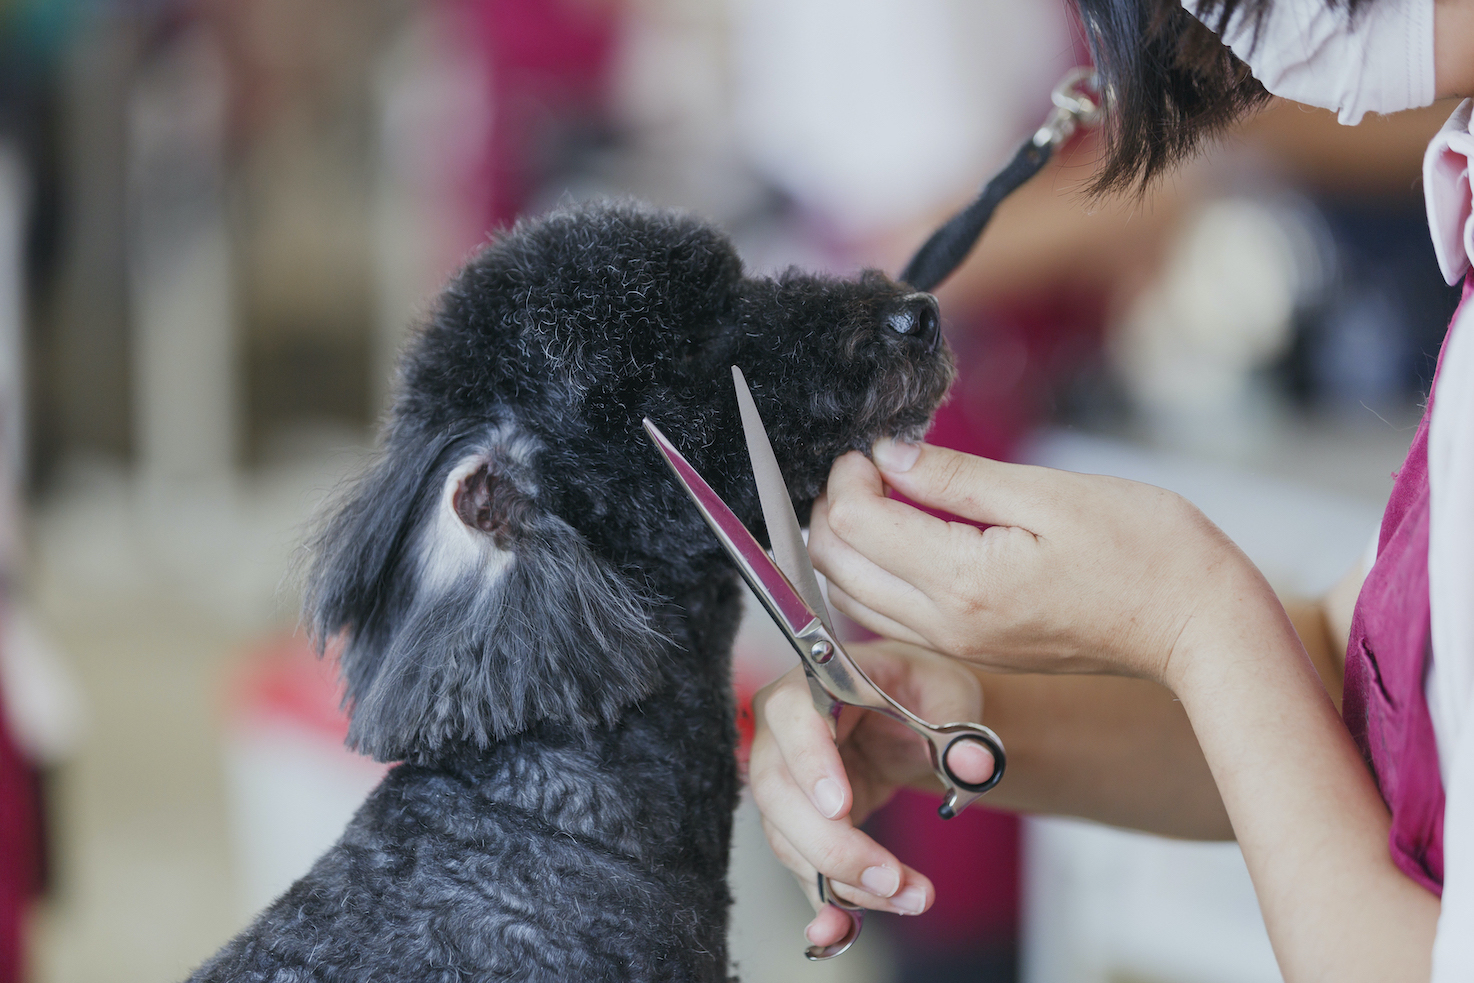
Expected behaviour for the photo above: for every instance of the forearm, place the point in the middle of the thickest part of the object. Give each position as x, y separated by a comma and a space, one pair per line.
1116, 750
1324, 625
1122, 751
1307, 815
1309, 621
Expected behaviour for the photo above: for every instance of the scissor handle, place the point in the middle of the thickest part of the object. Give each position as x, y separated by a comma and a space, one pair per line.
941, 740
844, 683
960, 794
856, 915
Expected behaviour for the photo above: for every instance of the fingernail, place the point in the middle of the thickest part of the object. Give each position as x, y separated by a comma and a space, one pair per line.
894, 455
912, 900
829, 797
809, 932
880, 880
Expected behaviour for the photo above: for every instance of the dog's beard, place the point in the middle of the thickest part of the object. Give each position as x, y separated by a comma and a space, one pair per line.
904, 401
898, 402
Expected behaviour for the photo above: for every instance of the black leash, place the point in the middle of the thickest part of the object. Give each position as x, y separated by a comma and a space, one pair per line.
1075, 103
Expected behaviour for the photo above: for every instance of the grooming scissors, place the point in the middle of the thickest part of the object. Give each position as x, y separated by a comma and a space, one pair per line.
788, 589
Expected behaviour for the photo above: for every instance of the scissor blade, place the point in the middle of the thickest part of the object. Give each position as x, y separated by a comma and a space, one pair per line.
789, 549
783, 602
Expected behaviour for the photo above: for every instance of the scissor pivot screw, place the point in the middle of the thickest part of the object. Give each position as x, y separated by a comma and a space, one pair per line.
822, 651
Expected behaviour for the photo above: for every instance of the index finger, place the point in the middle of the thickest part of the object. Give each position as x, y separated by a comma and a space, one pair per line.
785, 715
994, 493
872, 546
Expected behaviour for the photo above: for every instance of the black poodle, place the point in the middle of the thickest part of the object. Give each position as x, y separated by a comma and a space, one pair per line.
538, 625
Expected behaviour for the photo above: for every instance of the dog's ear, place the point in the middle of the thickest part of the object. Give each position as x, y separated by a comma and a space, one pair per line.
471, 614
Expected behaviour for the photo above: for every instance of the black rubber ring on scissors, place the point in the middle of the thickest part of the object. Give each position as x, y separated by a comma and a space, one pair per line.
1000, 761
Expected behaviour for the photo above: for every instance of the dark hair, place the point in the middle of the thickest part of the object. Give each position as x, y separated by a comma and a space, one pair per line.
1170, 82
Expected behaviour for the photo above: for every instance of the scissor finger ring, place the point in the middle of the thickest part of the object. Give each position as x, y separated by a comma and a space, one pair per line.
856, 915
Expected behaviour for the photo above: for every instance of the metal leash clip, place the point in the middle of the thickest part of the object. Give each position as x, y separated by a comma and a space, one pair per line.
1076, 102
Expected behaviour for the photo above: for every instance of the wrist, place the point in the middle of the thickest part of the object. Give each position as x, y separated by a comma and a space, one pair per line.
1237, 617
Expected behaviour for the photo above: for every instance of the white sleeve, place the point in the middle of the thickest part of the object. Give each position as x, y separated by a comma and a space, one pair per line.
1450, 682
1453, 947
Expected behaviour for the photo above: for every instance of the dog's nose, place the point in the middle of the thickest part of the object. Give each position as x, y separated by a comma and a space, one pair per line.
918, 318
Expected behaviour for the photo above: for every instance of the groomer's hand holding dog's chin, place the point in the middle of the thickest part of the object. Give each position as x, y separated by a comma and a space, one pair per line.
1074, 573
814, 787
1140, 671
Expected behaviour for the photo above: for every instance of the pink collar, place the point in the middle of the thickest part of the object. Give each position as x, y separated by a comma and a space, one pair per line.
1446, 185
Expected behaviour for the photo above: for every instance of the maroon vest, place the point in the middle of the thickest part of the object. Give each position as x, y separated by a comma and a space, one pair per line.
1387, 664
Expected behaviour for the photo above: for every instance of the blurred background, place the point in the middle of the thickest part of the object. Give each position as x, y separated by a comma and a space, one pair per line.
218, 219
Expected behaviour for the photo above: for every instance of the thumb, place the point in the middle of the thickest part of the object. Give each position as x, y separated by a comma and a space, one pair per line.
976, 488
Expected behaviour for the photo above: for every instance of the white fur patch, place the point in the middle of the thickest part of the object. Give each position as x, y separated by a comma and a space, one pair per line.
449, 549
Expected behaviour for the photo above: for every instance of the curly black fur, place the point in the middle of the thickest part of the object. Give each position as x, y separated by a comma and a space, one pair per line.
537, 623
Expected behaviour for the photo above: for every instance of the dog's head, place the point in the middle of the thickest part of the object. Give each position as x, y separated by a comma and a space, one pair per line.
505, 559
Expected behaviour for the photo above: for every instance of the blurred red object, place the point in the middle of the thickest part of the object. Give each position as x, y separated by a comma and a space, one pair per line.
20, 851
747, 679
1010, 361
973, 860
285, 680
550, 65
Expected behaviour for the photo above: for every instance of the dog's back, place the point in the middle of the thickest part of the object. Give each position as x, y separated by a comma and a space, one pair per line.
554, 856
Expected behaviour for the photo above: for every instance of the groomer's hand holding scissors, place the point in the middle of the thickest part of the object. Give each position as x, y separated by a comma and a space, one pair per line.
1030, 593
785, 583
814, 788
1042, 589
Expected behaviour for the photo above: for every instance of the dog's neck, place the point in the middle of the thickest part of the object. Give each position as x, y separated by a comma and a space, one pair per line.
652, 800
